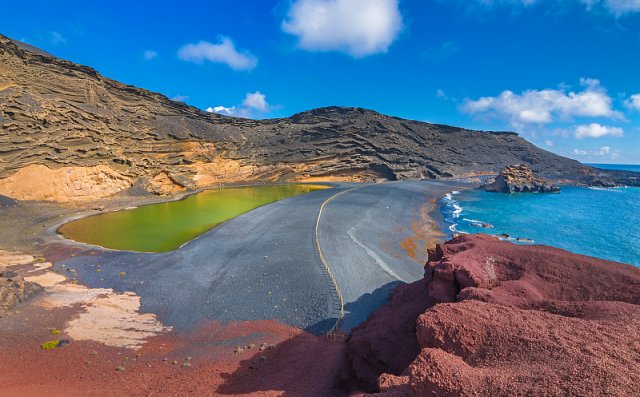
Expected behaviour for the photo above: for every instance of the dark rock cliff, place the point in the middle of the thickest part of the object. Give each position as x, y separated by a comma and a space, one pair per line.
59, 114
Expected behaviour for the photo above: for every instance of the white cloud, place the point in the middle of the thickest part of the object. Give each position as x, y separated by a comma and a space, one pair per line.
444, 96
548, 142
356, 27
232, 111
595, 130
223, 52
545, 106
615, 7
257, 101
57, 38
149, 55
180, 98
254, 104
633, 102
604, 151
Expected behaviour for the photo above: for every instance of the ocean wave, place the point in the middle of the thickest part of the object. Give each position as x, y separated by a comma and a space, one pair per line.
454, 209
519, 240
616, 189
457, 210
452, 203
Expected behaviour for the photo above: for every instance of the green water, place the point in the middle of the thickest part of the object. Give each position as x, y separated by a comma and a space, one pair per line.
166, 226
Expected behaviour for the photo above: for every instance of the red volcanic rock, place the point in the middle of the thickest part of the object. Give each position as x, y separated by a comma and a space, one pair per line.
482, 267
476, 348
383, 346
506, 319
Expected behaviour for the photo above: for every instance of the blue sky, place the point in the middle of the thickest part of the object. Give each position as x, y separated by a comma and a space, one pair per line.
565, 74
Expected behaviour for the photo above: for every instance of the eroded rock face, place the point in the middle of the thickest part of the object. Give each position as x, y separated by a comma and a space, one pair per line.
506, 319
386, 342
14, 290
58, 114
520, 179
163, 184
38, 182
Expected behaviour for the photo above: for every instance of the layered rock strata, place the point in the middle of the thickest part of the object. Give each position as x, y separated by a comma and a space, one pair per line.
66, 117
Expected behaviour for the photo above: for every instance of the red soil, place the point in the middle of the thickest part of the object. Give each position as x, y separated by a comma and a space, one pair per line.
489, 318
299, 364
494, 318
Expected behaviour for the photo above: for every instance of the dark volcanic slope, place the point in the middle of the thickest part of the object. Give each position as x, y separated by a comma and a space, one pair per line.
399, 149
60, 114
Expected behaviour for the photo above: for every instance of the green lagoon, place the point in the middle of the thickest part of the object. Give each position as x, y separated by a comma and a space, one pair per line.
166, 226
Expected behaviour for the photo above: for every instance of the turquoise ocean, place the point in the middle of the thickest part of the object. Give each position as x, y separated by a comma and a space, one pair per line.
604, 223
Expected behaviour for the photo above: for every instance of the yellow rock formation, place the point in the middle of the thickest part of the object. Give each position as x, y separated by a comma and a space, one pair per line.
66, 184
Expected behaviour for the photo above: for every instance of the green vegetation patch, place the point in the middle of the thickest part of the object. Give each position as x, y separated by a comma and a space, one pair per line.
52, 344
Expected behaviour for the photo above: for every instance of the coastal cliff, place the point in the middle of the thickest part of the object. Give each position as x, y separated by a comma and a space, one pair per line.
58, 118
494, 318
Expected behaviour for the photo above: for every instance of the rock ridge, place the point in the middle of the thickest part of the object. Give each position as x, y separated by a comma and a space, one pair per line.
495, 318
61, 115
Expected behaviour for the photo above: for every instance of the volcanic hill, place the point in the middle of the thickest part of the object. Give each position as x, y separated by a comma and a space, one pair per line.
68, 133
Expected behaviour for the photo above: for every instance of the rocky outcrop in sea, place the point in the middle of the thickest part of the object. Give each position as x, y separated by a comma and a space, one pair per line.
520, 179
